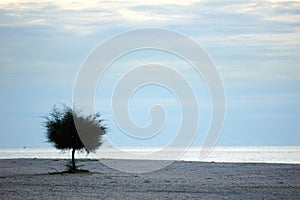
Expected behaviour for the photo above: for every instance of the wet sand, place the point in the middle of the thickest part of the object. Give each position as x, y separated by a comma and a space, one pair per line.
31, 179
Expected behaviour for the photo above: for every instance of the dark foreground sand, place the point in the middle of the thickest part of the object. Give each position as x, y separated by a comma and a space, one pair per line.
30, 179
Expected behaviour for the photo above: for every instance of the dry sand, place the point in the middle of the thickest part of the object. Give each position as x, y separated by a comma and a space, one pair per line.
30, 179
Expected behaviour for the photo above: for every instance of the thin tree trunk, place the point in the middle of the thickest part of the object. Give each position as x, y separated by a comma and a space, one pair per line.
73, 159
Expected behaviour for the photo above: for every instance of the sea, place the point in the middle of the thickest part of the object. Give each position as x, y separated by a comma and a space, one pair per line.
235, 154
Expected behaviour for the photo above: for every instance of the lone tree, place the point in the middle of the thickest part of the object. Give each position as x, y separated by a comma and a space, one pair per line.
63, 134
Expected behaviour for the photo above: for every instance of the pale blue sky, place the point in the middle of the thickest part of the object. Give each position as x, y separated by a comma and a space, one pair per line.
254, 44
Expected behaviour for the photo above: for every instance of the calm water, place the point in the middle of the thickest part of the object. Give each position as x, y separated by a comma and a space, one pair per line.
290, 154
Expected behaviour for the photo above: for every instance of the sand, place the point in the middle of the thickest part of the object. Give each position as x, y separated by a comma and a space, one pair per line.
30, 179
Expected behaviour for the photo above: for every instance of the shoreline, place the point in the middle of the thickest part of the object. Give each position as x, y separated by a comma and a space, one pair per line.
31, 179
228, 154
132, 159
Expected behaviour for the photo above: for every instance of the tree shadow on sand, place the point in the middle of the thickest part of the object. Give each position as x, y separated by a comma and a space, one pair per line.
71, 170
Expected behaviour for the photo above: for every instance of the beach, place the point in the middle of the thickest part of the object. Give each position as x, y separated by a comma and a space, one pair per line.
41, 179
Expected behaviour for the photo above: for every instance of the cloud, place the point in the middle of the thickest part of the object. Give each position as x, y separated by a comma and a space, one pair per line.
232, 31
93, 16
79, 18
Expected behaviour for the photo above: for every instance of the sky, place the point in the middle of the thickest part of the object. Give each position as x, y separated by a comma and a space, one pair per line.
255, 46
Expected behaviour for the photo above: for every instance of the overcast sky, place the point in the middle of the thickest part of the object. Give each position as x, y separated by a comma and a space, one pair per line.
255, 46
